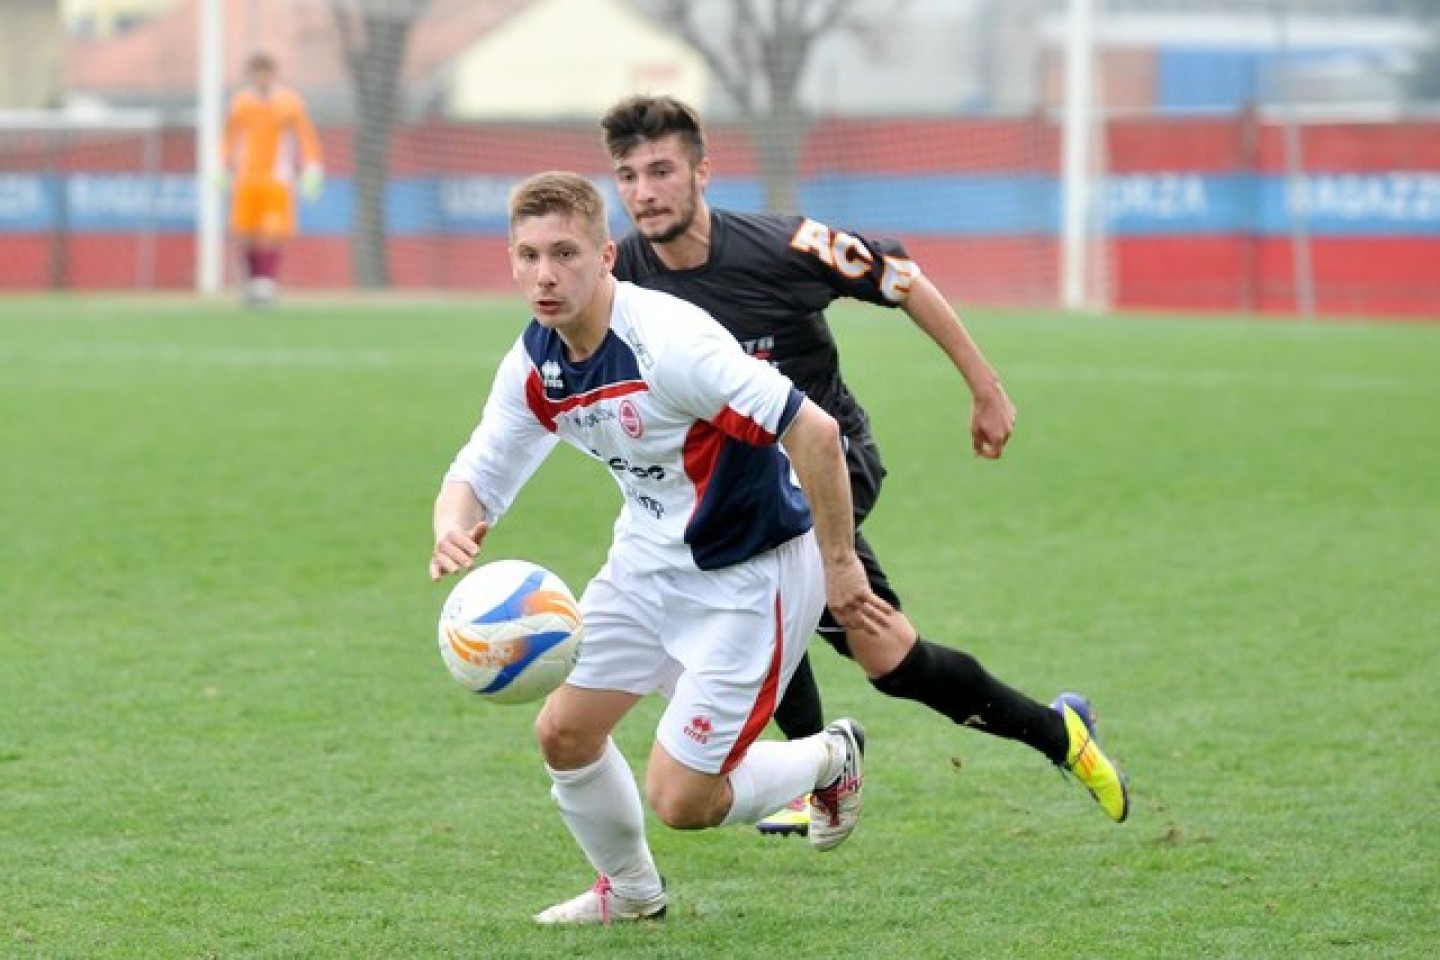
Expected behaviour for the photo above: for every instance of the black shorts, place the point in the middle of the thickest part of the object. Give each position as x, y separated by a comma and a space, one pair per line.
867, 473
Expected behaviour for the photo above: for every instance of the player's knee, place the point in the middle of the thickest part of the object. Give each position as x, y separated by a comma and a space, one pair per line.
672, 810
878, 652
680, 808
565, 741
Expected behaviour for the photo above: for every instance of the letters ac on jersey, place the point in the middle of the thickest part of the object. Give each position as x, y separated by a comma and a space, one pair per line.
685, 423
852, 258
768, 281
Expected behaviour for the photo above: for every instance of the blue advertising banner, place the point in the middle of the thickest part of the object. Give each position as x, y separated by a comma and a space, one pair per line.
1394, 203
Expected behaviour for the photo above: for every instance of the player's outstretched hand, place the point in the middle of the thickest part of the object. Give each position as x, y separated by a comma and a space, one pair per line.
455, 550
850, 599
992, 420
312, 182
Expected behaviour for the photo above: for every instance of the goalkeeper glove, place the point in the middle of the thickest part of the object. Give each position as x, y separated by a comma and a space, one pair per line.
312, 181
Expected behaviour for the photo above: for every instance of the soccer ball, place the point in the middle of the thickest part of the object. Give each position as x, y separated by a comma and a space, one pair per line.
510, 631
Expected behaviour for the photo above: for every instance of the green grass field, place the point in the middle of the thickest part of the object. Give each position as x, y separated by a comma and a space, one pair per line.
225, 730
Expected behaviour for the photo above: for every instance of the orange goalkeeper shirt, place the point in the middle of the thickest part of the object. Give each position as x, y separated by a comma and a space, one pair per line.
263, 135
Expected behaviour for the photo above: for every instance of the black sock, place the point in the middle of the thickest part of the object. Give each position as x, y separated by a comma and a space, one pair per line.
955, 684
799, 713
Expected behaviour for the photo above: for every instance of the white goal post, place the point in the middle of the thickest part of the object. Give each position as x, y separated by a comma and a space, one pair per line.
1079, 219
209, 120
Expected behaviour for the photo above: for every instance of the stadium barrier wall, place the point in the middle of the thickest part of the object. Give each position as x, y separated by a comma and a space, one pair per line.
1200, 212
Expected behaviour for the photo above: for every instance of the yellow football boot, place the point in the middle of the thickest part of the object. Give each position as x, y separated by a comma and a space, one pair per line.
793, 818
1086, 762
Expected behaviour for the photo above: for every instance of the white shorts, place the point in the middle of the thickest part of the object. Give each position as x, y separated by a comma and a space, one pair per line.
721, 645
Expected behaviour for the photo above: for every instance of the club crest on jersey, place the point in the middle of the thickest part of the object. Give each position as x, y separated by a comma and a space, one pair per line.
550, 375
630, 420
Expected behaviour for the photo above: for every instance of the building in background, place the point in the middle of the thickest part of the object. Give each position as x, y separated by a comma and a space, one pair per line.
155, 63
514, 72
31, 52
936, 121
1217, 58
466, 59
988, 57
106, 18
549, 59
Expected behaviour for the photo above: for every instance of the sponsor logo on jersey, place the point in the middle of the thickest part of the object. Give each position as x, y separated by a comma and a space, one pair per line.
651, 471
642, 354
550, 375
630, 420
592, 417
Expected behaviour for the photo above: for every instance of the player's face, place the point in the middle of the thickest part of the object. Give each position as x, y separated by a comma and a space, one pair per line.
262, 78
561, 268
661, 188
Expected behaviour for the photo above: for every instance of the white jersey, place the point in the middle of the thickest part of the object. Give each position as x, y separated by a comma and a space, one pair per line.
685, 421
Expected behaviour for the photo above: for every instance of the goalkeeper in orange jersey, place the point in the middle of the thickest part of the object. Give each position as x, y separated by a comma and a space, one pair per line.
269, 141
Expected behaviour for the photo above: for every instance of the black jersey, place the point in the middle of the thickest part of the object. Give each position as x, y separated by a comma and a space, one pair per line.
768, 280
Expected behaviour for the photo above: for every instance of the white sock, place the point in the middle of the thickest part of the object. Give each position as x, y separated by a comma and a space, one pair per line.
835, 756
775, 772
601, 806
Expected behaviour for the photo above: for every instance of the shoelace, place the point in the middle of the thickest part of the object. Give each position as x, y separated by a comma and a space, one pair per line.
602, 891
827, 799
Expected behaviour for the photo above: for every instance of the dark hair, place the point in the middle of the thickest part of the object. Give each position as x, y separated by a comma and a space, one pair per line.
260, 60
558, 191
637, 119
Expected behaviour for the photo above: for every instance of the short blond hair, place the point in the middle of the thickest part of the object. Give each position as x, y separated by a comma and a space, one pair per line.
559, 191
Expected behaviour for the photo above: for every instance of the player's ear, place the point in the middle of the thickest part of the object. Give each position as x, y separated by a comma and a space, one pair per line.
702, 172
607, 255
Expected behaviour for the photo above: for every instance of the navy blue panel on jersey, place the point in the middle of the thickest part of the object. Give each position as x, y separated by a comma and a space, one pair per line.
613, 364
749, 505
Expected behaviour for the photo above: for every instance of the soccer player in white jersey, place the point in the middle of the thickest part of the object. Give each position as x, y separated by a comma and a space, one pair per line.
719, 569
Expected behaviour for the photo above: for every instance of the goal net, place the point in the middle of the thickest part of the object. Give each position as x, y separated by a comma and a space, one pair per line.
1214, 173
98, 202
953, 151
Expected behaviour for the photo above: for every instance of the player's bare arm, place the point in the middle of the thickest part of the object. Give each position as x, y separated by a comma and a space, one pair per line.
460, 528
992, 415
814, 447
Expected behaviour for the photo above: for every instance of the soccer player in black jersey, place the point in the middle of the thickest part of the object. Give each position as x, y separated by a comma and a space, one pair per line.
768, 278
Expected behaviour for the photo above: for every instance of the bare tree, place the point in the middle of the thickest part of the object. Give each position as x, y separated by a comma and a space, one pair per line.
759, 58
374, 35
